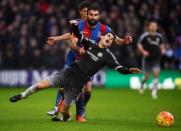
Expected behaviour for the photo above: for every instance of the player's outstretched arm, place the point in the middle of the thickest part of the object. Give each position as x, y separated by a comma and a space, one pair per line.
142, 50
126, 40
113, 63
52, 40
124, 70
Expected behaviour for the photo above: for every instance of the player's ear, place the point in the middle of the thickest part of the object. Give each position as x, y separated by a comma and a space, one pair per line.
99, 16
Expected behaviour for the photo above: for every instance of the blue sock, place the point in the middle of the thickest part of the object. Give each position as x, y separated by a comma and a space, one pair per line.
87, 96
80, 105
58, 98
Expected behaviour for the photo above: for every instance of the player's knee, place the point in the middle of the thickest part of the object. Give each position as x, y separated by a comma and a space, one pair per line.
43, 84
155, 74
146, 77
88, 87
60, 90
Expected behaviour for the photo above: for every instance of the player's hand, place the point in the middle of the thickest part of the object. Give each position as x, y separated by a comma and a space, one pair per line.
134, 70
81, 51
145, 53
51, 40
128, 39
73, 22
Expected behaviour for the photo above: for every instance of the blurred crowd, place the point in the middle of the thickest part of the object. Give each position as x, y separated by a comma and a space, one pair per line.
25, 26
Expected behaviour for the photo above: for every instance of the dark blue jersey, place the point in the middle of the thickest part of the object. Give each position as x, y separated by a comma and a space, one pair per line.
92, 33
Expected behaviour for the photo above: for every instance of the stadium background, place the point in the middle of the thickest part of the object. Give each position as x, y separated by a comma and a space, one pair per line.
26, 25
25, 58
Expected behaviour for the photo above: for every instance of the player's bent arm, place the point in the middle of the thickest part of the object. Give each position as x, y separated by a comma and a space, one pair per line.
73, 43
65, 36
142, 50
162, 48
84, 40
52, 40
119, 41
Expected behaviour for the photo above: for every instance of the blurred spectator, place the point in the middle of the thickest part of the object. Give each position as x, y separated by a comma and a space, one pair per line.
178, 52
25, 26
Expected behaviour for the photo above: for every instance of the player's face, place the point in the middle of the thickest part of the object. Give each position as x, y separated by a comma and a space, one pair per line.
93, 17
83, 13
152, 27
107, 39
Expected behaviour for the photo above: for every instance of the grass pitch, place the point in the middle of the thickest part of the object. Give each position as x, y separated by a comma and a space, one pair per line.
108, 109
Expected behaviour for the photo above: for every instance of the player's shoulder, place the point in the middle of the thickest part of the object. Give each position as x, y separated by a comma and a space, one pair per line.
159, 34
78, 19
110, 53
145, 34
104, 27
102, 24
81, 21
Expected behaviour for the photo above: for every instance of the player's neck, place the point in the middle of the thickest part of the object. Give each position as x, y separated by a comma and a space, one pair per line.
152, 33
101, 45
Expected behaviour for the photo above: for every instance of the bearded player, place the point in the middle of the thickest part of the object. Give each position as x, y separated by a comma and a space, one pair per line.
92, 29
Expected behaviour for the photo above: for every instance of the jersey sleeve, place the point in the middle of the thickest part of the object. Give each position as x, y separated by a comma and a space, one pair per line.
113, 63
108, 29
82, 39
161, 39
142, 38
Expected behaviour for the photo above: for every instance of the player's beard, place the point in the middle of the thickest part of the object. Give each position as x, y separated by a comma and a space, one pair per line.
92, 22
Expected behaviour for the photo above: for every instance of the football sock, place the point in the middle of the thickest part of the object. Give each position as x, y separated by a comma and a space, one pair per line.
58, 98
80, 104
155, 86
29, 91
87, 96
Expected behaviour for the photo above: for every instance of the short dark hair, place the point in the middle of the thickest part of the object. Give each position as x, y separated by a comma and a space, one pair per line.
152, 21
93, 7
84, 4
114, 35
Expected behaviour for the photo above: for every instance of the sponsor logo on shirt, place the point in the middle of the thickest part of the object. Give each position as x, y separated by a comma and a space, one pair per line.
92, 56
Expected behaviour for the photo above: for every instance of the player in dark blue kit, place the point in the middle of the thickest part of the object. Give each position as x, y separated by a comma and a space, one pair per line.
92, 29
151, 47
72, 79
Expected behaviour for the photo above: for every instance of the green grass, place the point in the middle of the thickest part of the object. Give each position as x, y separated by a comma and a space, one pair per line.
109, 109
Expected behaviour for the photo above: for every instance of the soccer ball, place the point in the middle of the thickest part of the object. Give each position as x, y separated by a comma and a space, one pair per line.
164, 119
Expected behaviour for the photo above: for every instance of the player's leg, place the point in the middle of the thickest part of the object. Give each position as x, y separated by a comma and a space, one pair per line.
60, 95
155, 82
146, 69
31, 90
82, 102
58, 101
52, 80
71, 96
87, 92
79, 108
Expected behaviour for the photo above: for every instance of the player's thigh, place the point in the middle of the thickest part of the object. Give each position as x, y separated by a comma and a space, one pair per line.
70, 95
88, 86
156, 69
156, 73
56, 79
146, 75
43, 84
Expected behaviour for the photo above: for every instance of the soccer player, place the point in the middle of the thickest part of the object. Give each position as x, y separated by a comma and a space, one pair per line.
71, 57
72, 79
92, 29
151, 47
